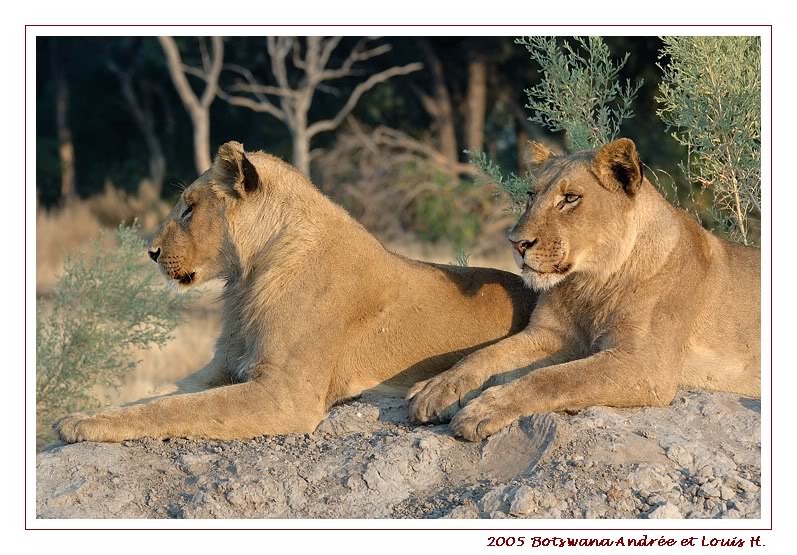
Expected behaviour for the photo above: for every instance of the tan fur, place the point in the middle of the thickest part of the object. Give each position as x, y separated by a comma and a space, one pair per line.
315, 310
636, 300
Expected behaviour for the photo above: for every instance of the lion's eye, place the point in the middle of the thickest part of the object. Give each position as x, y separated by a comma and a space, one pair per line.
187, 212
570, 198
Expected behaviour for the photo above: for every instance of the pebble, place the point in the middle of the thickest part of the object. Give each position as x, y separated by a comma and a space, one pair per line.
747, 485
595, 512
467, 510
727, 493
425, 443
668, 510
707, 490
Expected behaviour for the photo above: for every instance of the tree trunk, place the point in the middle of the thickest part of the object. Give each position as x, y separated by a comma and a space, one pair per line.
201, 119
198, 108
66, 149
301, 152
477, 103
522, 142
157, 164
440, 106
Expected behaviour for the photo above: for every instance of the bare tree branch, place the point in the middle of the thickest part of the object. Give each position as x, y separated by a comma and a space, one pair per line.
329, 47
357, 55
291, 98
259, 90
278, 49
387, 136
359, 90
214, 72
254, 105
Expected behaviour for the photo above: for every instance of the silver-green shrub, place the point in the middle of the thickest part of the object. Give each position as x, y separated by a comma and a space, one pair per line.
711, 102
109, 301
579, 91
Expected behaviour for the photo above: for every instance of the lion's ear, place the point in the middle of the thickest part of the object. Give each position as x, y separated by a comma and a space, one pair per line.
537, 154
618, 167
232, 171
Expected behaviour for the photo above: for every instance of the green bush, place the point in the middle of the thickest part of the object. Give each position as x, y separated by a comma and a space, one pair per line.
445, 207
579, 90
108, 302
711, 102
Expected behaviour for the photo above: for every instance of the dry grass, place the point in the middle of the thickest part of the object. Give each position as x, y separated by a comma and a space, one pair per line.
61, 231
493, 256
190, 349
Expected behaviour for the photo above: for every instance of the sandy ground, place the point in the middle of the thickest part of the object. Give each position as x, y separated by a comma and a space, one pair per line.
699, 458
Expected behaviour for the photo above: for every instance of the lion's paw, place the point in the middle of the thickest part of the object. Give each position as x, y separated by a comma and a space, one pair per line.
83, 427
483, 416
438, 399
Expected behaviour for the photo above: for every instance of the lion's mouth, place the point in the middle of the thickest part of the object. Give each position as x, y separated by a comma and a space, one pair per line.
186, 279
561, 269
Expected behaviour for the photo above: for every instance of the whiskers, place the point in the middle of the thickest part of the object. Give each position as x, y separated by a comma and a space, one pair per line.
180, 184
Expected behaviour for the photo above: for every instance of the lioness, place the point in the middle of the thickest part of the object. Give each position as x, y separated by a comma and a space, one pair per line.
315, 310
636, 299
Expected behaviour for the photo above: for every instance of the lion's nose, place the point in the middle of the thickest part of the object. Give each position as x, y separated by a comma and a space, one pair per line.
522, 246
154, 255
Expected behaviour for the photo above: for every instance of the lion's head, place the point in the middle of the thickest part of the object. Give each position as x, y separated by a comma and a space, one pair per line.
200, 238
577, 216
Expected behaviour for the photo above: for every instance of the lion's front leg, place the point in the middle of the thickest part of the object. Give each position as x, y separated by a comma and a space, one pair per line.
606, 378
439, 398
232, 412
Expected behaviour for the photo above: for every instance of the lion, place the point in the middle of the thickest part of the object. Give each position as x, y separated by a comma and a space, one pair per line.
315, 309
635, 300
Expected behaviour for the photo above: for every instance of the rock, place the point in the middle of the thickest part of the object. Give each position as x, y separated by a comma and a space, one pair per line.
467, 510
495, 500
549, 500
651, 478
595, 512
679, 455
366, 460
727, 493
706, 471
747, 485
426, 443
348, 419
708, 490
668, 510
524, 501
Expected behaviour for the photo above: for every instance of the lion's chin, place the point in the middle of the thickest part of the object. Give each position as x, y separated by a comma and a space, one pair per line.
183, 281
541, 281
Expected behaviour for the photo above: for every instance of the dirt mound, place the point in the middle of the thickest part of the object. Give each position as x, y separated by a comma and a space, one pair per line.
699, 458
